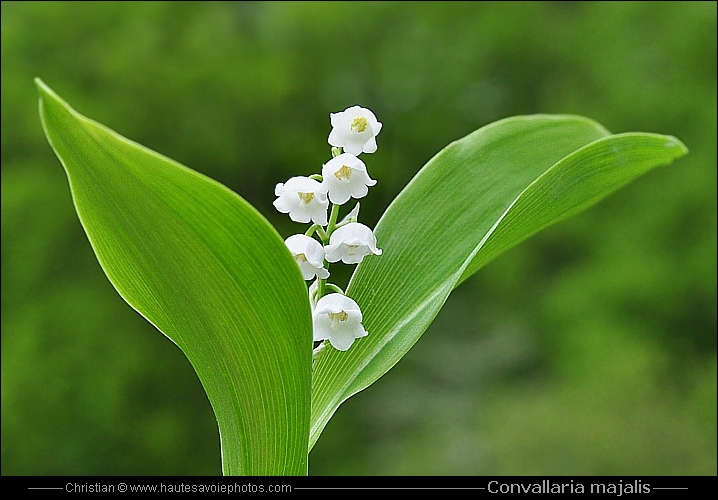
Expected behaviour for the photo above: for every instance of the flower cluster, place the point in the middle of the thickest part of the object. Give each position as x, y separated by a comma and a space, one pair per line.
336, 317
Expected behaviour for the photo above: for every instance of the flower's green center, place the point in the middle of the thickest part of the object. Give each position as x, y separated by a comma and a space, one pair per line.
359, 124
337, 317
343, 173
306, 197
300, 258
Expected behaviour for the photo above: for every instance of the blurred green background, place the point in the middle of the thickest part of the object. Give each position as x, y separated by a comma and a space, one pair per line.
589, 349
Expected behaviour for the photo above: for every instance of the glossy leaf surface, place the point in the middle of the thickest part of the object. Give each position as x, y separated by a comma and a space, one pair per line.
475, 199
206, 269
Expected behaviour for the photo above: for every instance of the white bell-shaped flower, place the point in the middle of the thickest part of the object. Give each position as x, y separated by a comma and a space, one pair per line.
309, 254
304, 199
345, 177
354, 129
338, 318
351, 243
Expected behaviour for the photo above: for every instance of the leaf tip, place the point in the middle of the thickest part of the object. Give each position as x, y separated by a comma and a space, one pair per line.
47, 94
43, 93
42, 88
677, 146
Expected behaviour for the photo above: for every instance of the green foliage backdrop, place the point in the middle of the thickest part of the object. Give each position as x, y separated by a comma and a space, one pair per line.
588, 349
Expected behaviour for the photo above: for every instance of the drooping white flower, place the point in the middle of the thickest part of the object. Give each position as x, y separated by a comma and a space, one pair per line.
351, 243
354, 129
338, 318
345, 177
304, 199
309, 254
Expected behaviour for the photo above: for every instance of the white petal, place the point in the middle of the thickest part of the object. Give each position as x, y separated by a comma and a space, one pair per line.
358, 191
340, 332
301, 184
354, 140
347, 254
373, 248
342, 339
351, 243
335, 302
319, 213
345, 177
359, 331
341, 120
355, 256
352, 147
304, 199
333, 252
299, 214
311, 263
354, 233
315, 253
336, 164
335, 138
354, 314
322, 326
298, 243
308, 270
282, 204
340, 194
368, 181
370, 145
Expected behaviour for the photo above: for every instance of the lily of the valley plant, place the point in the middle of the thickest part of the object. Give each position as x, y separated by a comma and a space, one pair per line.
275, 356
336, 317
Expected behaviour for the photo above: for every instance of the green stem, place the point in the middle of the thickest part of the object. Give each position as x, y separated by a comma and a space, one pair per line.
321, 287
333, 219
319, 350
323, 235
334, 287
320, 231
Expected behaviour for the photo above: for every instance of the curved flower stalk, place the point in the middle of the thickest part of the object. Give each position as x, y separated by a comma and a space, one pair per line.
336, 317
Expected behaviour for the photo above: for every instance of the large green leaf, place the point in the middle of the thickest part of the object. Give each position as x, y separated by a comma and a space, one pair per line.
474, 200
209, 272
